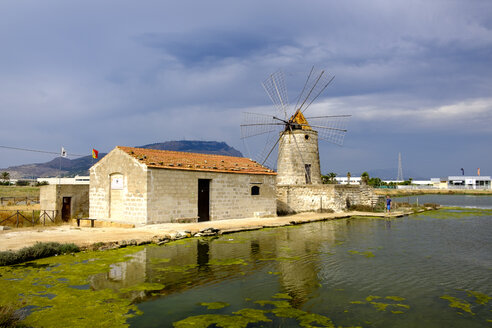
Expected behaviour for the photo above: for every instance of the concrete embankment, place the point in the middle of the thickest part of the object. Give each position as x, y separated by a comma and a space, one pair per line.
114, 237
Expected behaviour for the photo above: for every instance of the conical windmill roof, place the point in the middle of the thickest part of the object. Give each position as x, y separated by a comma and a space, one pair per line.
299, 118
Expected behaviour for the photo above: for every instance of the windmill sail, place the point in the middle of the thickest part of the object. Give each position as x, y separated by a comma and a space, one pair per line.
289, 122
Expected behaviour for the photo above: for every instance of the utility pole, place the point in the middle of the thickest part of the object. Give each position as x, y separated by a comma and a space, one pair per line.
400, 170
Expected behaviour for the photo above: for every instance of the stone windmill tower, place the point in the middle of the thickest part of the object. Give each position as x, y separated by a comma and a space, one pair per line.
295, 135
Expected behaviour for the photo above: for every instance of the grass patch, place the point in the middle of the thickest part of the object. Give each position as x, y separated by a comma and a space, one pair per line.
19, 191
37, 251
10, 316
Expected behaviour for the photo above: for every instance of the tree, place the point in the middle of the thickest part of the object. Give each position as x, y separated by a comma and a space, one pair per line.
5, 177
329, 178
364, 178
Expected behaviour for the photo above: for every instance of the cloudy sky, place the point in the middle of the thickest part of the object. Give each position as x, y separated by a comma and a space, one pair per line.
415, 75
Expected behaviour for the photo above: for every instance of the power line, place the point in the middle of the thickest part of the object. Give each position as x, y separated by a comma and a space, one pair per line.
40, 151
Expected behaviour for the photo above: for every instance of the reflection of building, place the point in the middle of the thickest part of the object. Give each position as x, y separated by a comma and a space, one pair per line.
288, 257
151, 186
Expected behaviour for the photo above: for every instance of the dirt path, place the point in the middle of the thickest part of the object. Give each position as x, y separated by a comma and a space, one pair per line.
84, 237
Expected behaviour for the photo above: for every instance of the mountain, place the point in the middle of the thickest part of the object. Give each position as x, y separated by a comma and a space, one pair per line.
81, 165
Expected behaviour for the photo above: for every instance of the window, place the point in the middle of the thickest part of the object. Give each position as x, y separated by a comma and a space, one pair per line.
255, 190
308, 173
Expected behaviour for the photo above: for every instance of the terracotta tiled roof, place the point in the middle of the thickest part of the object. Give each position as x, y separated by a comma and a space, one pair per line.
177, 160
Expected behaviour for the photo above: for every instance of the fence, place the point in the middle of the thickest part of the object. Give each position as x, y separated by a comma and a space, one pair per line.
34, 217
18, 200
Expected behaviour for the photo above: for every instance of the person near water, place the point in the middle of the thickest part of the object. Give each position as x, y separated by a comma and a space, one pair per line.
388, 203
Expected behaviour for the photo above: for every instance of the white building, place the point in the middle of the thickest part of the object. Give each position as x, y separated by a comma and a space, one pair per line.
78, 179
469, 182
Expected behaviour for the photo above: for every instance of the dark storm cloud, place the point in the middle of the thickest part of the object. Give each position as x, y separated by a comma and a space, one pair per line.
96, 74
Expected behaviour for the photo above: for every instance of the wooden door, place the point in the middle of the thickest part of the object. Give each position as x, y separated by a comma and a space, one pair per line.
203, 200
66, 208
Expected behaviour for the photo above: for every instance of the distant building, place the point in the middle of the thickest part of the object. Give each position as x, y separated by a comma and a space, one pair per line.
137, 185
66, 181
469, 182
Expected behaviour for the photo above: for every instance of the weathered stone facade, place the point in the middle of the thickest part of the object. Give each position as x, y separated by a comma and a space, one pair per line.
298, 148
324, 197
51, 198
124, 189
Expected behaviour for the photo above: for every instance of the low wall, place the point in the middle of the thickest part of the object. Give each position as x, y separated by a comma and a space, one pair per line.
323, 198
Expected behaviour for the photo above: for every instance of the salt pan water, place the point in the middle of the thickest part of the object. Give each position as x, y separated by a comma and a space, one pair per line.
427, 270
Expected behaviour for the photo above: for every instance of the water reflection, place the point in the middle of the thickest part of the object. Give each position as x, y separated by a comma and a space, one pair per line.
285, 253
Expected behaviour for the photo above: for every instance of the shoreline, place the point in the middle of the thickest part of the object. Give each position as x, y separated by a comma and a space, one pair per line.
415, 192
103, 238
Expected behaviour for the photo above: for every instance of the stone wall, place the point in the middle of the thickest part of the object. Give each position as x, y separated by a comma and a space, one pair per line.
173, 194
125, 202
320, 198
51, 199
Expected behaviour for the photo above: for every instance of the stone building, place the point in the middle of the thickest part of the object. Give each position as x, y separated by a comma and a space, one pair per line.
143, 186
64, 201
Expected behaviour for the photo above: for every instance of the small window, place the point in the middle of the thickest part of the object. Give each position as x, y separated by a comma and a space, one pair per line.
308, 173
255, 190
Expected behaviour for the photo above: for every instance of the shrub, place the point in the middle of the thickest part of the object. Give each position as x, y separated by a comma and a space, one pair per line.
432, 205
22, 183
37, 251
10, 316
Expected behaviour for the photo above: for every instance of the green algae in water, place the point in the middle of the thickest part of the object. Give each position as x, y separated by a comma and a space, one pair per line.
395, 298
456, 213
372, 297
480, 298
215, 305
159, 260
275, 273
146, 286
282, 295
458, 303
254, 315
176, 268
278, 304
397, 312
70, 307
239, 319
380, 306
281, 259
367, 254
227, 262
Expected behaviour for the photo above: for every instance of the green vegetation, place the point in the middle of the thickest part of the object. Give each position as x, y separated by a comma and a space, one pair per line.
458, 303
329, 178
49, 287
37, 251
480, 298
214, 305
397, 308
19, 191
10, 316
456, 213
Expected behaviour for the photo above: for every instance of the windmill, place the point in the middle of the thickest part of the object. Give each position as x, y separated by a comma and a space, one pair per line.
295, 135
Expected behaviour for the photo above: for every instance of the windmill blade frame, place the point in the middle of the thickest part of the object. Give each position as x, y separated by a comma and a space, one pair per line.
276, 89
